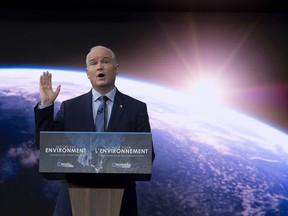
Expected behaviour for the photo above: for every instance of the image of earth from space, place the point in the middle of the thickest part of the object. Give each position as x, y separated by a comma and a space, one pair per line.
207, 163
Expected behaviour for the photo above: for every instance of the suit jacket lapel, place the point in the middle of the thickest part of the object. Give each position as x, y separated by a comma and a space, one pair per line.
87, 111
117, 111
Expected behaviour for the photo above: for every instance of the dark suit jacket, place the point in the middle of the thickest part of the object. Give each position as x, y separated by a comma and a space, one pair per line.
128, 115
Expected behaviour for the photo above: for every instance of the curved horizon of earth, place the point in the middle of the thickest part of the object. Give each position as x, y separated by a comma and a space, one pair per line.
207, 163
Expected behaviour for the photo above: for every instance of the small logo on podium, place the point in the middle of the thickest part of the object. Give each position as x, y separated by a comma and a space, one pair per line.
67, 165
121, 165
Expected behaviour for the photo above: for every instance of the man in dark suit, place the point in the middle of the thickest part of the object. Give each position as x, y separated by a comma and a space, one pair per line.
125, 114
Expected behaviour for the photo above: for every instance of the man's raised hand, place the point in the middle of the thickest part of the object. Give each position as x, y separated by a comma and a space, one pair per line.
48, 96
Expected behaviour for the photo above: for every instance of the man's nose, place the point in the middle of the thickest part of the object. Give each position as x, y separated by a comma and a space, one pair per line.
99, 66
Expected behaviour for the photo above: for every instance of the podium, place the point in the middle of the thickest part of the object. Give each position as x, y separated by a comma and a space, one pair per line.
96, 165
95, 201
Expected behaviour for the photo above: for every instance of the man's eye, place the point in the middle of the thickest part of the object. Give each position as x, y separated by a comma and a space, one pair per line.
105, 61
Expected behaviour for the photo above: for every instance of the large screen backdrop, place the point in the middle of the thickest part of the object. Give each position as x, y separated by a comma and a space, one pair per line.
219, 151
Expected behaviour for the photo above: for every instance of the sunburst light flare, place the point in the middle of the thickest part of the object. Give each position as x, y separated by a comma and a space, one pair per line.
206, 91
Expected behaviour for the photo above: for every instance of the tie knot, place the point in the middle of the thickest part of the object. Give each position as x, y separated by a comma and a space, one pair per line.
103, 98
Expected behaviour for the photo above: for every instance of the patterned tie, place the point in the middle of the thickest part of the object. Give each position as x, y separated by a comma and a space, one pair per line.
101, 116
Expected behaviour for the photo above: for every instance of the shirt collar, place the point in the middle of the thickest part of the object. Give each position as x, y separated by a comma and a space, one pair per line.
110, 95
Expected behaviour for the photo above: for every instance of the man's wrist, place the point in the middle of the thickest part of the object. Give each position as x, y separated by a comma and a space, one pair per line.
40, 106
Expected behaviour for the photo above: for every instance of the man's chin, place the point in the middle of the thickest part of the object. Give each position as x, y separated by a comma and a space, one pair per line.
102, 83
103, 87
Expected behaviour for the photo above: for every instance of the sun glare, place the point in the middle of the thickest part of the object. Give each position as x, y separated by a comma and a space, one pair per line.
206, 92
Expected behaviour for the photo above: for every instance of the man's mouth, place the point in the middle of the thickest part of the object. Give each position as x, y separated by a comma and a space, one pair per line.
100, 75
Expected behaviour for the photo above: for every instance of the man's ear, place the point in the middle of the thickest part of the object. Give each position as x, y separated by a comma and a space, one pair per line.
117, 68
87, 73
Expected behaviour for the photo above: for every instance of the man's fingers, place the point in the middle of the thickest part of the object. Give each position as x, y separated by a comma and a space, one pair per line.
46, 79
49, 79
57, 91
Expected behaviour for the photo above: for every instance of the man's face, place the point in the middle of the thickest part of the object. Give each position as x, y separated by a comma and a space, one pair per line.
101, 69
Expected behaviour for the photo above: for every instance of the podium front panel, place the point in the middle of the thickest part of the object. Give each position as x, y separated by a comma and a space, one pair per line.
95, 152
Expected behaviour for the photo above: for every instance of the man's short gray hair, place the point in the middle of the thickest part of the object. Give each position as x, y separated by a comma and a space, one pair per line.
99, 46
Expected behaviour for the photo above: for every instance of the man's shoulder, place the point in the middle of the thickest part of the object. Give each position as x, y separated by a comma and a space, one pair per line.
129, 98
79, 98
